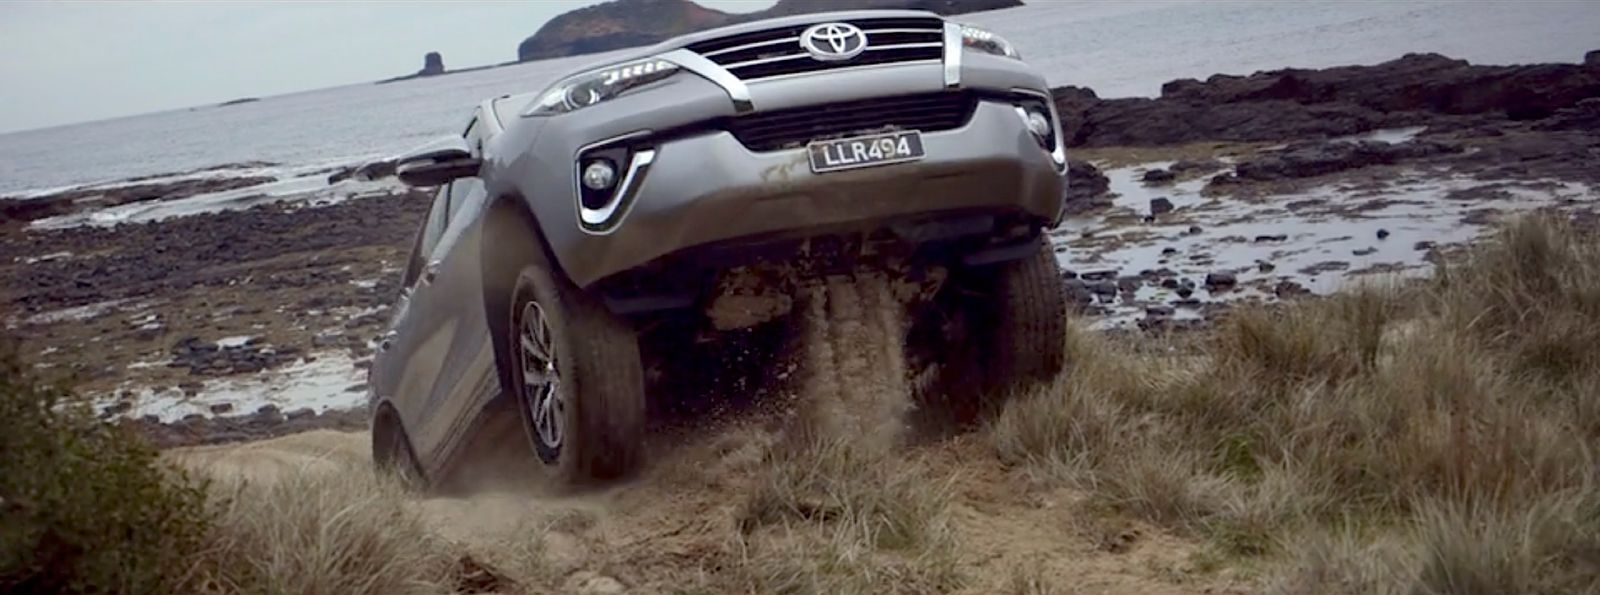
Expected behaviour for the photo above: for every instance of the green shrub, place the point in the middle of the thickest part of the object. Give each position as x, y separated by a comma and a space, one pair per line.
86, 506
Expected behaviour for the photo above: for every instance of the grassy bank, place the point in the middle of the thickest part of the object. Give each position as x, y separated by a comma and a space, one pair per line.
1435, 437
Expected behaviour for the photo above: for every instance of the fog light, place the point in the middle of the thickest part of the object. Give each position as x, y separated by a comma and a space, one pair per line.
1038, 124
599, 174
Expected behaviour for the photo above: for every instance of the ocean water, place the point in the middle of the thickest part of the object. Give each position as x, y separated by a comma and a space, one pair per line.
1118, 49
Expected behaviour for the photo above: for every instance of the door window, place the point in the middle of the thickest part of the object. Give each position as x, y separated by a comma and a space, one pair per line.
428, 239
460, 191
474, 136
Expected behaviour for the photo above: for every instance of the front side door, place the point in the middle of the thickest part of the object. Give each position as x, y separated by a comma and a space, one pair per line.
393, 376
443, 349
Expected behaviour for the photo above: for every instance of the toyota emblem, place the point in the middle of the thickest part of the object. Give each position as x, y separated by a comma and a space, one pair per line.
831, 42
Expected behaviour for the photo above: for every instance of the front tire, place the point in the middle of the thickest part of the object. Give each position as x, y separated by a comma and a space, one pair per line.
990, 332
1028, 345
576, 378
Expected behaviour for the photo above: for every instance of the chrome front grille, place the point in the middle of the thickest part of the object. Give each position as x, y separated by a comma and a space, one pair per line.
777, 52
794, 127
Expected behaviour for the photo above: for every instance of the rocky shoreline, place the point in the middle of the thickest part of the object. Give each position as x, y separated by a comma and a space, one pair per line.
1234, 190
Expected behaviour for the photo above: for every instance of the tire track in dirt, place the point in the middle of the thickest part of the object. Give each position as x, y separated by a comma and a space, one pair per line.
855, 385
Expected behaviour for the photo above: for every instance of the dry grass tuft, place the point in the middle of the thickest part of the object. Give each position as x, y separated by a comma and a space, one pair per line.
1030, 580
1549, 545
1453, 418
326, 533
831, 516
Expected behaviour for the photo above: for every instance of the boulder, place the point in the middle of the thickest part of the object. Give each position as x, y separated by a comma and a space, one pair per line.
1221, 280
1086, 187
1159, 176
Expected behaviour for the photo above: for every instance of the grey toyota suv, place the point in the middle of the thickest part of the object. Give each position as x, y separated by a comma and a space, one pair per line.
588, 239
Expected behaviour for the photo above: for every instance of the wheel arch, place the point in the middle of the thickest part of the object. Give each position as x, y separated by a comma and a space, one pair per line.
386, 426
511, 236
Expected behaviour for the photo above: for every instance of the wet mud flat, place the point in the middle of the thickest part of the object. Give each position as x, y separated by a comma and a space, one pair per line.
223, 311
259, 318
1294, 183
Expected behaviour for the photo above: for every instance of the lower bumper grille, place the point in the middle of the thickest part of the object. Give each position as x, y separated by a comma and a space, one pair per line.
790, 128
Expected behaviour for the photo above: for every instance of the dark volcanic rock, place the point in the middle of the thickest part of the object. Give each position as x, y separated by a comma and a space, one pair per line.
1072, 106
1315, 158
1197, 166
1159, 176
1288, 289
79, 199
1583, 116
1414, 82
1078, 292
1104, 288
1160, 205
1221, 280
370, 170
1416, 89
161, 258
1086, 187
1143, 121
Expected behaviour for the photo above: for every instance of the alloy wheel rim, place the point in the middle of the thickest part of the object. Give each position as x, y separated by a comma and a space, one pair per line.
541, 379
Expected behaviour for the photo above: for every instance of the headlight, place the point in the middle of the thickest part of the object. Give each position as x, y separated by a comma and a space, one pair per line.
986, 41
586, 89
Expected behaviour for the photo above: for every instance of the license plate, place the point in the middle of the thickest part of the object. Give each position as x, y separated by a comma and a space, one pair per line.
865, 151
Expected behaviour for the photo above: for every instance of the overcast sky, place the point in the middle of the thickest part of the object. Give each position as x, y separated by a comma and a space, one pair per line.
64, 62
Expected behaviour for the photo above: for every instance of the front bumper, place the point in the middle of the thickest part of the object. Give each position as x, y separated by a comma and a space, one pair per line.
709, 188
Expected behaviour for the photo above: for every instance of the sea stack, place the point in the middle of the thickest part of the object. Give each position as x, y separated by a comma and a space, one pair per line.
432, 64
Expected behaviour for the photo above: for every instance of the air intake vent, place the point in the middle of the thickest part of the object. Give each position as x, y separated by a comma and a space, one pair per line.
777, 52
783, 129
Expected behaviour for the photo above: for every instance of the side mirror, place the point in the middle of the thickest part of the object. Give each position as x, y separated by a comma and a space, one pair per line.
437, 163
